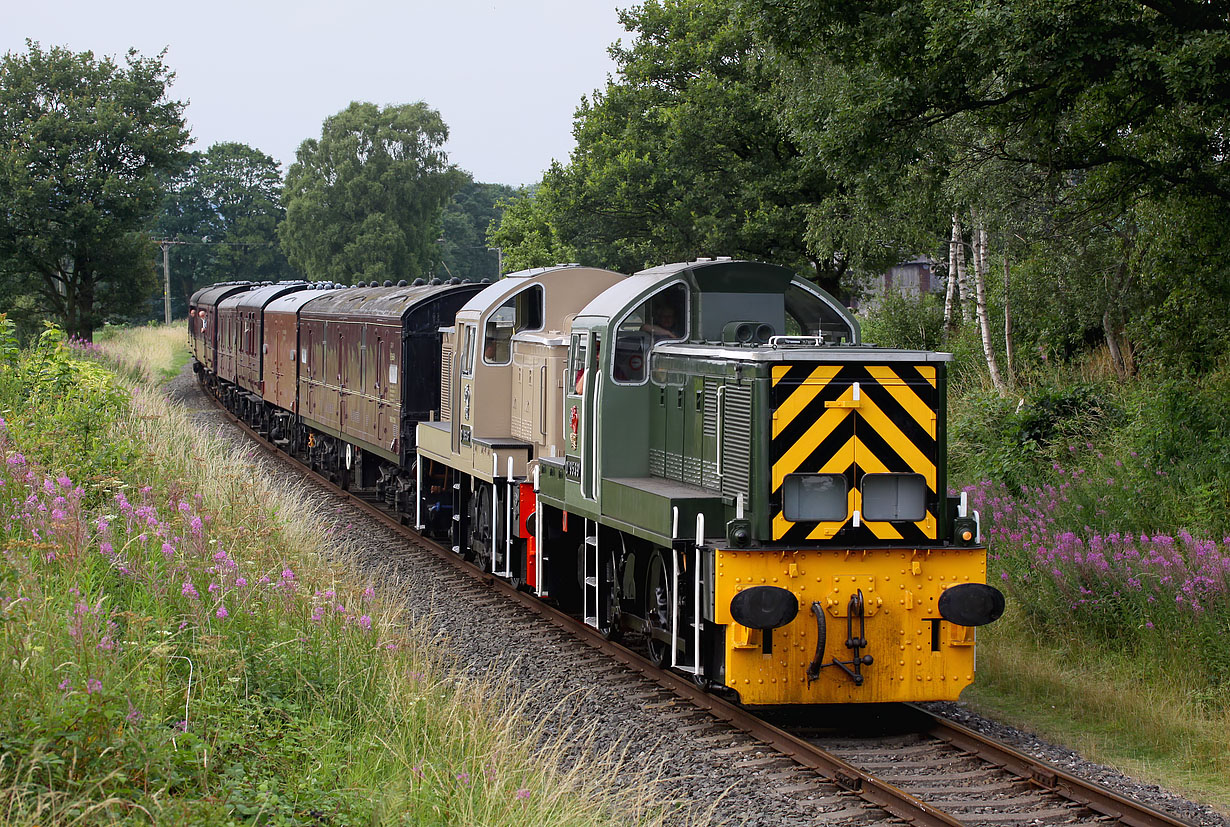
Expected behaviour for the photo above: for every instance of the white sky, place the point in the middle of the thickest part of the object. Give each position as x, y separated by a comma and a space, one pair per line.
506, 75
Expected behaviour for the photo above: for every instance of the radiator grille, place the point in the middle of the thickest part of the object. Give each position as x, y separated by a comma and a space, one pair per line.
736, 440
446, 384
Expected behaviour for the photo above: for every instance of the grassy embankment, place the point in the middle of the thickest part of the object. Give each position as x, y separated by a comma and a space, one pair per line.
178, 647
1106, 508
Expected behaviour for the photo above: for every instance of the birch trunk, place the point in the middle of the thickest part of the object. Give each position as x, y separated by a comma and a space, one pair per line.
1009, 348
980, 299
950, 294
962, 272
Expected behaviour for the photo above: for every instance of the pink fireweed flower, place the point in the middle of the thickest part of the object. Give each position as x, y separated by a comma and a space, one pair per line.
195, 526
93, 685
222, 613
190, 591
241, 582
365, 623
66, 684
523, 794
288, 575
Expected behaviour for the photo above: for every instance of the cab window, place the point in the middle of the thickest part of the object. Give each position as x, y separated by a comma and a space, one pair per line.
524, 311
660, 318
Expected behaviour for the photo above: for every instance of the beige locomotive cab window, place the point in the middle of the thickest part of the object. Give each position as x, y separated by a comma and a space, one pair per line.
660, 318
894, 497
814, 498
467, 354
524, 311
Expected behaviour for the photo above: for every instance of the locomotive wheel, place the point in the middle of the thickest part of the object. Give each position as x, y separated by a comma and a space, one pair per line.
480, 529
608, 599
659, 603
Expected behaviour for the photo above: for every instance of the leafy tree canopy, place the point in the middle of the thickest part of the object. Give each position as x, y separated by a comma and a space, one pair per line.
464, 249
225, 208
363, 201
682, 155
85, 146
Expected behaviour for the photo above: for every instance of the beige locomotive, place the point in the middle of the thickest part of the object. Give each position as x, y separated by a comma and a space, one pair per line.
503, 376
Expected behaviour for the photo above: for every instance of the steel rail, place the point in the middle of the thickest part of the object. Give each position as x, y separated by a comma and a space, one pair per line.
828, 766
1066, 785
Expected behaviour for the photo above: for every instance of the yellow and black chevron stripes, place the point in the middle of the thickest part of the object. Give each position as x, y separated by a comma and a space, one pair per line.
854, 419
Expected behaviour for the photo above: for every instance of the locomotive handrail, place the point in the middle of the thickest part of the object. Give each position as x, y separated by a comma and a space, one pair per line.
796, 341
721, 397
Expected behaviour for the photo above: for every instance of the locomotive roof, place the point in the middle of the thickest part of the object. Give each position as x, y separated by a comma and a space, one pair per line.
210, 296
495, 294
865, 354
257, 298
361, 303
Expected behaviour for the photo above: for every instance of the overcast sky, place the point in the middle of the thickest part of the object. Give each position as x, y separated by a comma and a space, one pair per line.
506, 75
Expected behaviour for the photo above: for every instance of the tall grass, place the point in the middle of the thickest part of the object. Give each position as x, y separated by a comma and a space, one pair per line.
180, 646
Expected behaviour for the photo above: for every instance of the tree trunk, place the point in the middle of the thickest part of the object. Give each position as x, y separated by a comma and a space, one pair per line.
963, 292
980, 299
1116, 350
1009, 349
950, 295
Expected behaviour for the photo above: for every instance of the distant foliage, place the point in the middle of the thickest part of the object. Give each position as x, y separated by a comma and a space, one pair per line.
363, 200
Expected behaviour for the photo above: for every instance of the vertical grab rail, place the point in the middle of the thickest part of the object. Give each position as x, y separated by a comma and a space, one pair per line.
594, 453
538, 586
542, 405
700, 541
721, 396
418, 493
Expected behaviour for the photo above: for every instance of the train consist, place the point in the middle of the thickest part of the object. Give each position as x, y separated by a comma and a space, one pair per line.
702, 453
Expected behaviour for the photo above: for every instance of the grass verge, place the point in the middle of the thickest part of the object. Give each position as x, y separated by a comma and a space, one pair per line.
1117, 710
180, 646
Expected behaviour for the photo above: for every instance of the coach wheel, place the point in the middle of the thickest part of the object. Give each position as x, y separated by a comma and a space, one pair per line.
658, 610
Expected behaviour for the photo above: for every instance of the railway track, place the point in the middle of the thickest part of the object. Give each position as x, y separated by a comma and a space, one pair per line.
934, 773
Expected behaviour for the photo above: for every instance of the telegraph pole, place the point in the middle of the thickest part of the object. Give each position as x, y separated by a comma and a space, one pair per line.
165, 244
166, 280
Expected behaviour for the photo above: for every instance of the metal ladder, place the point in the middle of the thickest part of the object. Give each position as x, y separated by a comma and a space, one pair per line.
590, 601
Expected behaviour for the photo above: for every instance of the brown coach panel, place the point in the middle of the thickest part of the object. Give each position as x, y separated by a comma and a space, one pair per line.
282, 351
369, 350
251, 347
206, 319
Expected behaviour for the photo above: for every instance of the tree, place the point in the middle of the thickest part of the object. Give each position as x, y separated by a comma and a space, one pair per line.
363, 201
85, 148
682, 154
1061, 124
464, 235
526, 235
225, 209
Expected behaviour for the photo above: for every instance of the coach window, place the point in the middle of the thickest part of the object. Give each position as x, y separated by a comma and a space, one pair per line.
524, 311
660, 318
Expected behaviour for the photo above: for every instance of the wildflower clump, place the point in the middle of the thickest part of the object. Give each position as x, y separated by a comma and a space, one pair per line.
1058, 554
